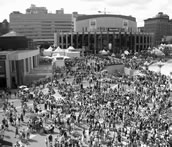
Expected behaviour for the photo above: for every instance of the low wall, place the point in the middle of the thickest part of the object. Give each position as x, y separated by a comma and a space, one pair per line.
113, 68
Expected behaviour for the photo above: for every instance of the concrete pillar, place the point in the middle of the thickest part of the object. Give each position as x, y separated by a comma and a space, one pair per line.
67, 40
135, 42
101, 41
8, 75
95, 42
38, 60
120, 42
71, 39
55, 39
62, 43
146, 43
83, 42
88, 40
113, 42
130, 42
77, 37
31, 60
29, 69
139, 43
107, 42
24, 64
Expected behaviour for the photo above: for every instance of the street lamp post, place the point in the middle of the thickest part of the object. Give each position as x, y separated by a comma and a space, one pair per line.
160, 64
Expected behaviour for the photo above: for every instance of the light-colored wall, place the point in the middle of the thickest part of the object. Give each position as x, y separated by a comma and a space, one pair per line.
23, 54
8, 76
40, 26
107, 22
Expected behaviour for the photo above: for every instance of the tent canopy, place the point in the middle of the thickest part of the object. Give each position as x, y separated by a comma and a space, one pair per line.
113, 55
71, 48
126, 52
58, 49
50, 49
103, 52
157, 52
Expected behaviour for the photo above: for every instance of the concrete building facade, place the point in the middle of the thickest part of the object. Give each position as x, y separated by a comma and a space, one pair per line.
116, 42
110, 32
104, 22
39, 25
15, 65
160, 25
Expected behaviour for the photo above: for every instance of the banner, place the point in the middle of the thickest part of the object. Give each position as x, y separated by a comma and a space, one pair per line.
92, 24
125, 24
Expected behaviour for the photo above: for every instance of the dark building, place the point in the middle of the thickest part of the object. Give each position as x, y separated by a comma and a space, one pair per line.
15, 41
160, 25
4, 27
114, 41
17, 58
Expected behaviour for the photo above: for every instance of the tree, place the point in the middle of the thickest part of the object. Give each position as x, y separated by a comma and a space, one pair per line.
4, 27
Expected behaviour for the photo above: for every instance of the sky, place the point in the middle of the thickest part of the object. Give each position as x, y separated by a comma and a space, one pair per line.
140, 9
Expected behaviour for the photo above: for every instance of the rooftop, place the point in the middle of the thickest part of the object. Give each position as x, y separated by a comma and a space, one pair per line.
12, 34
83, 17
160, 15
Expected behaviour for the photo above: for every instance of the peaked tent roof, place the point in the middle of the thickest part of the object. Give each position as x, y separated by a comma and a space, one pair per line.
12, 34
71, 48
50, 49
58, 49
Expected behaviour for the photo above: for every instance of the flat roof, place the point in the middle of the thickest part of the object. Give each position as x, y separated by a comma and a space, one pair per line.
16, 51
83, 17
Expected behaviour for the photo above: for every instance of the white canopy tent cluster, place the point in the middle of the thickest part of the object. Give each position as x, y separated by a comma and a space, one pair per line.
69, 52
157, 51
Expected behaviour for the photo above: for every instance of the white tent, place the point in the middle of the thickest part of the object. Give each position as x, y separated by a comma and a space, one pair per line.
46, 57
48, 52
58, 61
126, 52
72, 54
103, 52
113, 55
57, 49
149, 48
71, 48
60, 51
134, 57
55, 55
49, 49
157, 52
146, 63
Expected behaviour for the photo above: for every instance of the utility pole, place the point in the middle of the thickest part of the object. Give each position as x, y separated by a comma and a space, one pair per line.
104, 12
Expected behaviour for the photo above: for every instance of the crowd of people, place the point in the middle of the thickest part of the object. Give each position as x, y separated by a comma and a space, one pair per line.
104, 110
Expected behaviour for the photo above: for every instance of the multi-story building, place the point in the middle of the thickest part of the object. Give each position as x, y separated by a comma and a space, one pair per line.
35, 10
111, 32
17, 59
4, 27
115, 42
104, 22
39, 25
160, 25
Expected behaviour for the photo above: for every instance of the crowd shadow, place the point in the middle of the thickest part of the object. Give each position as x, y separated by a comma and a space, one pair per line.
32, 140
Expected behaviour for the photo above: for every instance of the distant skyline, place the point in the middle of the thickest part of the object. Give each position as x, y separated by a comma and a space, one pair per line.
140, 9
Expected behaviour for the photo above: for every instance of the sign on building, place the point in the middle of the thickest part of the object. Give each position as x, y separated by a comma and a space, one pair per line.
125, 24
92, 24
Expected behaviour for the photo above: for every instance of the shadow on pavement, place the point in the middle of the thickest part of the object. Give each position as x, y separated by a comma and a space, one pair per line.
32, 140
6, 136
